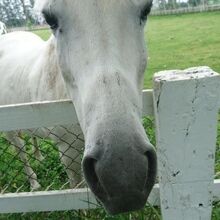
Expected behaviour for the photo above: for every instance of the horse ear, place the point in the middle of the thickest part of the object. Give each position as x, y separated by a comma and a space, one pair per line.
143, 3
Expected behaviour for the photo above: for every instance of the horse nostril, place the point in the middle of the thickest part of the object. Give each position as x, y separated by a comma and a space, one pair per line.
92, 179
89, 171
152, 171
120, 181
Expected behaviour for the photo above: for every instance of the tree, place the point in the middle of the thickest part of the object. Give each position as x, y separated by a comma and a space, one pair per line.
16, 12
194, 2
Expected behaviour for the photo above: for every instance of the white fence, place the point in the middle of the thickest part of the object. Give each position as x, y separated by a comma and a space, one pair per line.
185, 105
185, 10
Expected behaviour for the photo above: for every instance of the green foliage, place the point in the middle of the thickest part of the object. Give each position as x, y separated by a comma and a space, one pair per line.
16, 13
50, 171
29, 24
216, 211
148, 123
194, 2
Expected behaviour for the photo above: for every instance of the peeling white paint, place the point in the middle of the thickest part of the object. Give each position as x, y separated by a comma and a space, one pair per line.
186, 107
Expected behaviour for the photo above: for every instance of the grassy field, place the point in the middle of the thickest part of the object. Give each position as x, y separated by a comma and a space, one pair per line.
183, 41
173, 42
179, 41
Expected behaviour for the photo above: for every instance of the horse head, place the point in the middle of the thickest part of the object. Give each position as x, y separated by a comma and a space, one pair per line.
101, 53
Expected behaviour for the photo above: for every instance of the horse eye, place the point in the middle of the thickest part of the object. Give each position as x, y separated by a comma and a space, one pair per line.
145, 12
51, 20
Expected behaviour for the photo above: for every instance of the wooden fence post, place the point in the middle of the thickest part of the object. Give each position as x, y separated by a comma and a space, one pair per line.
186, 108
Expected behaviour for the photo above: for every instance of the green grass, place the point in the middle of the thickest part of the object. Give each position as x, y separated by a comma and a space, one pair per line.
44, 34
182, 41
174, 42
97, 214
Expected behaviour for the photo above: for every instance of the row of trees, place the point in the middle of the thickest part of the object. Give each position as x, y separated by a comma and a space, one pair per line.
17, 12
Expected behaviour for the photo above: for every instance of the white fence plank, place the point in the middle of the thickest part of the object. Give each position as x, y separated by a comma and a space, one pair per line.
35, 115
47, 114
216, 191
186, 109
61, 200
47, 201
148, 103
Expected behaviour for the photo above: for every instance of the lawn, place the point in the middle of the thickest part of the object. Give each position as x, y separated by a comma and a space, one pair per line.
182, 41
179, 41
173, 42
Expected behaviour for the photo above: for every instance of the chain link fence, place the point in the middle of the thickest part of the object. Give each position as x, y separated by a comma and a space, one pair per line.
41, 159
46, 159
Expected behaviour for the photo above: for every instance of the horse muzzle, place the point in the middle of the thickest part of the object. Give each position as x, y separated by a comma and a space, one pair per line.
120, 172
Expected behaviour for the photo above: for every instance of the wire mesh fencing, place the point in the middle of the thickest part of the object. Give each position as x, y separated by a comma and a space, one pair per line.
41, 159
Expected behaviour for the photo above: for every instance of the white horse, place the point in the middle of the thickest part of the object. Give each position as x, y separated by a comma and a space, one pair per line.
97, 58
3, 29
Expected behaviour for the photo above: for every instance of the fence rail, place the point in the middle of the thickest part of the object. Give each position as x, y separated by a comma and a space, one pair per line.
48, 114
72, 199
